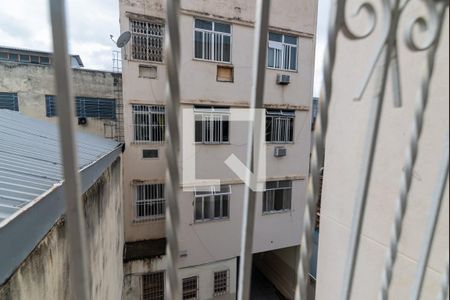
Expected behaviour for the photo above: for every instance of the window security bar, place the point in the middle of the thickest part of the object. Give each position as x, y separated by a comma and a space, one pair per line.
147, 40
435, 209
256, 102
149, 204
76, 231
190, 288
149, 124
172, 149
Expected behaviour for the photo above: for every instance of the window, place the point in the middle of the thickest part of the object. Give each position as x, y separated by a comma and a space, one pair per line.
9, 101
153, 286
190, 288
45, 60
147, 42
221, 283
212, 204
277, 197
150, 72
280, 126
225, 73
34, 59
212, 125
212, 41
282, 52
24, 58
150, 203
85, 107
3, 56
149, 123
150, 153
13, 57
50, 106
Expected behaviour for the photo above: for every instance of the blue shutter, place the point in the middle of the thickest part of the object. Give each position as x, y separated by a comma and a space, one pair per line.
9, 101
50, 106
96, 108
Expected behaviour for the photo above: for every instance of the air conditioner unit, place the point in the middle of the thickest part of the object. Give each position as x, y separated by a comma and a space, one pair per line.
283, 79
82, 121
280, 152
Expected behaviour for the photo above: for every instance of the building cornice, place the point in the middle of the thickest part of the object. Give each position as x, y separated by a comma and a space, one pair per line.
248, 23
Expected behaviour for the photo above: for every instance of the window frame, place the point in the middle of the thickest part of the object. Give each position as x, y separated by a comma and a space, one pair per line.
162, 279
154, 21
283, 116
194, 289
286, 208
203, 194
82, 105
216, 291
150, 111
14, 101
283, 44
208, 116
230, 35
158, 202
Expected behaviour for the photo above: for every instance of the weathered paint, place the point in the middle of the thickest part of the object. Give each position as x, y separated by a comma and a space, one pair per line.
33, 82
44, 274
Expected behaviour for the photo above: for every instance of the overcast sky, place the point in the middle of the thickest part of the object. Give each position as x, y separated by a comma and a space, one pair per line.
25, 24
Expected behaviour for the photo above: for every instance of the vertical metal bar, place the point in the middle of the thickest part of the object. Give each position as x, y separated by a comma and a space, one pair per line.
433, 218
318, 156
75, 226
257, 99
410, 161
172, 149
369, 156
443, 294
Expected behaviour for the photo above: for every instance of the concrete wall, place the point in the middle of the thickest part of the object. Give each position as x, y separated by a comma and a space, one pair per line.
133, 271
33, 82
44, 274
280, 267
345, 149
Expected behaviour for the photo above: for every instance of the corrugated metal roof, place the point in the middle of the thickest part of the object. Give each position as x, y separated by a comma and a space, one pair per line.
30, 158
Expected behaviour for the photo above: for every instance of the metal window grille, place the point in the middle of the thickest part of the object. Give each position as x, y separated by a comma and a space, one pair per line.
212, 125
212, 204
212, 41
149, 123
147, 40
149, 202
282, 52
280, 126
50, 106
277, 197
153, 286
98, 108
221, 283
9, 101
190, 288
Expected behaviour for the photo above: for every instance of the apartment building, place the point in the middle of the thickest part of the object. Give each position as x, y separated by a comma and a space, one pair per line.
215, 77
27, 85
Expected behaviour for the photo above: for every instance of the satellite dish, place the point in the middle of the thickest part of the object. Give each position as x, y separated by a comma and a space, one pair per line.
123, 39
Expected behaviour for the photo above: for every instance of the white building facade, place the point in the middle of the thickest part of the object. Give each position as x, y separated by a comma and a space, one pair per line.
215, 77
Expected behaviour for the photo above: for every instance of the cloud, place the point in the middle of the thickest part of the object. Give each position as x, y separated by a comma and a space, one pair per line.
26, 24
